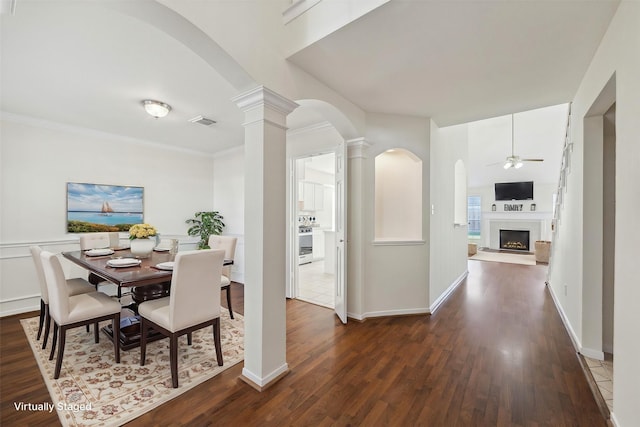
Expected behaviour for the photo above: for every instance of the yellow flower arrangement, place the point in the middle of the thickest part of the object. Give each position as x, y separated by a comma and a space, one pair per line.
142, 231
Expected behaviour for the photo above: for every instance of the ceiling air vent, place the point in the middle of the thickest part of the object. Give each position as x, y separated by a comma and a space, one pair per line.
202, 120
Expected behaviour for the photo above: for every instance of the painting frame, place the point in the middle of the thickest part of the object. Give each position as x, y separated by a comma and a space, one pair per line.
95, 208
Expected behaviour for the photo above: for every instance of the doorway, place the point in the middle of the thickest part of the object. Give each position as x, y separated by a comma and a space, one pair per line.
599, 230
315, 279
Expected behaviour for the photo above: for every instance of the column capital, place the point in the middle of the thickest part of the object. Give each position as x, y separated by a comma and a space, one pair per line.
357, 148
261, 96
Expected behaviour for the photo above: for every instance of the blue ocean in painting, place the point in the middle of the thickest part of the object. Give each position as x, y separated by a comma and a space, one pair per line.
110, 219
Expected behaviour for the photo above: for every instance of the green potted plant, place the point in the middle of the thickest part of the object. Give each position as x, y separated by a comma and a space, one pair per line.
204, 225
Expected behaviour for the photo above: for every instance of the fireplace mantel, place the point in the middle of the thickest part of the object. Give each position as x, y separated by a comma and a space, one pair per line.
538, 223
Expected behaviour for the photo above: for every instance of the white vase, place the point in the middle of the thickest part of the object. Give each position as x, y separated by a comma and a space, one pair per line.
142, 248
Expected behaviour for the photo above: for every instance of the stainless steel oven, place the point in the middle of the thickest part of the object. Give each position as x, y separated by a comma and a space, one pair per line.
305, 243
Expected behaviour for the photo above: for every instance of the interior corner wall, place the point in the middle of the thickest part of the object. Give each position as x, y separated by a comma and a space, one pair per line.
448, 255
397, 273
38, 159
616, 56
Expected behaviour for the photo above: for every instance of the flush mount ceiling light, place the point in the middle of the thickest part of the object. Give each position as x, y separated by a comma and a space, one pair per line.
156, 108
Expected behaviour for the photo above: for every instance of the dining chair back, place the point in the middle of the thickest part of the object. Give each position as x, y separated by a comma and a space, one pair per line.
227, 243
74, 287
99, 240
194, 303
72, 311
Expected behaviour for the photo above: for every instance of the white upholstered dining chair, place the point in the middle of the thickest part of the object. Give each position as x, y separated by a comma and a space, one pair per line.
74, 287
194, 303
101, 240
227, 243
72, 311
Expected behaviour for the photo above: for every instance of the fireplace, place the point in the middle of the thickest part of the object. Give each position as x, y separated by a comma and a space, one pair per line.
516, 240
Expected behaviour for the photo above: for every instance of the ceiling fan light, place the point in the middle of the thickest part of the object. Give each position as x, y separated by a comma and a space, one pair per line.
507, 164
156, 108
518, 165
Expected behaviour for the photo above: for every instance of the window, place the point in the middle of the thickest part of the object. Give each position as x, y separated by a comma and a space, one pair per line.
474, 213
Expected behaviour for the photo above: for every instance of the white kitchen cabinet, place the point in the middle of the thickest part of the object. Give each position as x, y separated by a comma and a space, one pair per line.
318, 197
311, 195
318, 244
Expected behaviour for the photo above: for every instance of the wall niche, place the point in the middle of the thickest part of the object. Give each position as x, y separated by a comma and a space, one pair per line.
398, 196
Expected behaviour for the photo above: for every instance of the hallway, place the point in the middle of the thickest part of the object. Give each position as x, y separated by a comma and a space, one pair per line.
494, 354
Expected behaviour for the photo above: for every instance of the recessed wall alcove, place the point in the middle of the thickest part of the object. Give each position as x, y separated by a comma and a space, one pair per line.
398, 196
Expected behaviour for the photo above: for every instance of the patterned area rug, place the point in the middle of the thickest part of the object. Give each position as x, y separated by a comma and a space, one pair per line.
93, 390
526, 259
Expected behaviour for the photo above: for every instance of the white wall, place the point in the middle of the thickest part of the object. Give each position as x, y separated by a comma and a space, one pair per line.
323, 18
448, 255
617, 54
396, 275
228, 199
38, 159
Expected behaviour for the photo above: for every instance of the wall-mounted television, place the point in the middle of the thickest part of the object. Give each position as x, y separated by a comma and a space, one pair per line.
514, 190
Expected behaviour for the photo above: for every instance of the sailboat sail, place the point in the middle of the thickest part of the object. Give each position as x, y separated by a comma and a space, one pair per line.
106, 209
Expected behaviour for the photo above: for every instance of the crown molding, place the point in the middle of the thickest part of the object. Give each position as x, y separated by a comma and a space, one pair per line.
78, 130
229, 151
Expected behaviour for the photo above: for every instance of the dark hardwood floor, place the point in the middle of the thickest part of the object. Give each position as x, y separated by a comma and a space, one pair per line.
494, 354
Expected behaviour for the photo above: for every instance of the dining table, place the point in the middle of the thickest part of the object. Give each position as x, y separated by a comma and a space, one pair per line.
152, 270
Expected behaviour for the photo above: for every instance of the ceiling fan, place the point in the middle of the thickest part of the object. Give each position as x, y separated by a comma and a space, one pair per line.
514, 161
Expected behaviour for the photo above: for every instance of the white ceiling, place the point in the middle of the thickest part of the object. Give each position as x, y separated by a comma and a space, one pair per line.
80, 64
460, 61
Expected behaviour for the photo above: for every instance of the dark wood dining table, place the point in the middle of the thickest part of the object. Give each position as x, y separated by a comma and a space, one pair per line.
146, 273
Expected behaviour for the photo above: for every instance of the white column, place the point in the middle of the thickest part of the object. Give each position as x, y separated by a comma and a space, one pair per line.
265, 235
357, 205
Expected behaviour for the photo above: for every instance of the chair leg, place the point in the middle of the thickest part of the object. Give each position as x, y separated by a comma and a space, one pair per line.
87, 327
116, 335
173, 355
96, 333
216, 340
41, 321
63, 336
54, 341
229, 301
189, 340
47, 325
143, 340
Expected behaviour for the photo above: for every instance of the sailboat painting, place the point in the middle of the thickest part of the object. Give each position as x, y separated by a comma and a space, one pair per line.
98, 207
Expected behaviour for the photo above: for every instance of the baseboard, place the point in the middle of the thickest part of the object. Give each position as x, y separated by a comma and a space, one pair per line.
448, 292
354, 316
577, 345
614, 421
20, 305
262, 384
591, 353
388, 313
